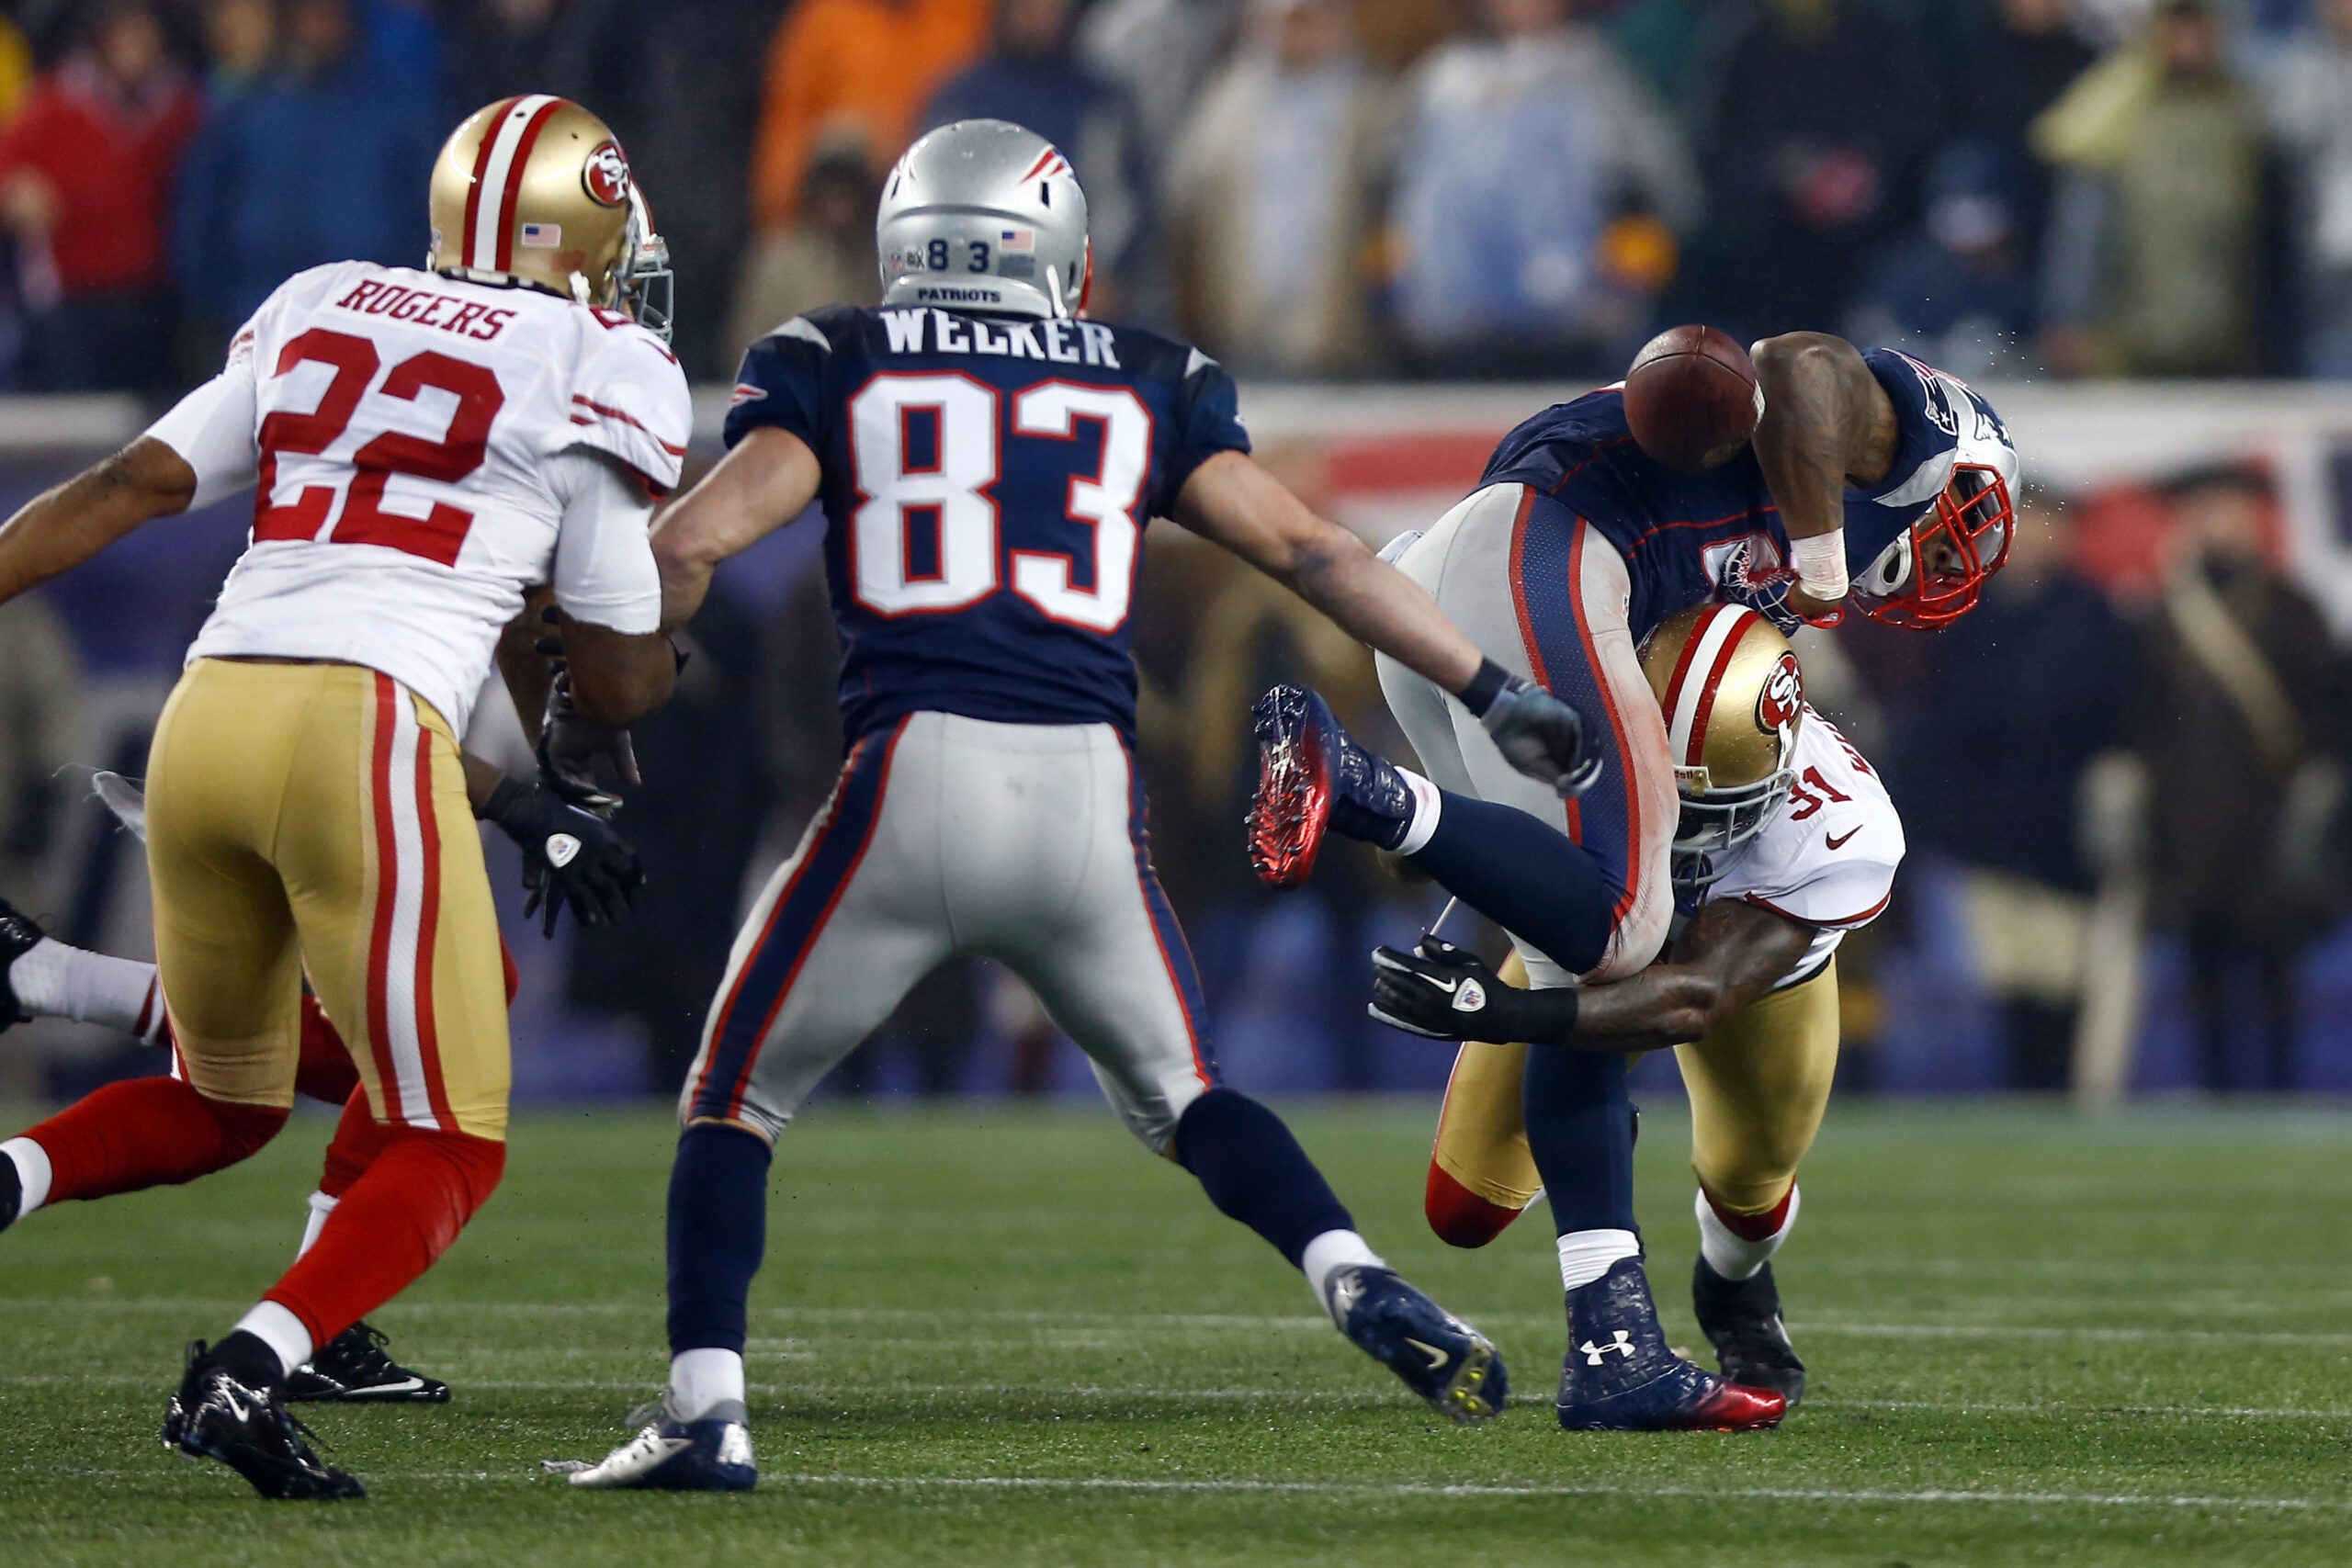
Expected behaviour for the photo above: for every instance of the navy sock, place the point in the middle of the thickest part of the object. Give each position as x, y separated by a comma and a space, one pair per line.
247, 1357
1523, 874
1580, 1130
718, 1229
1254, 1171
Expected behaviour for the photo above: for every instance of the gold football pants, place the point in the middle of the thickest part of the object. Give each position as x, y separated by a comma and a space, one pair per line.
312, 817
1758, 1087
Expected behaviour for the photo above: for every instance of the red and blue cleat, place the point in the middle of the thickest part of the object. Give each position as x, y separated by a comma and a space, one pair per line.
1313, 779
1620, 1375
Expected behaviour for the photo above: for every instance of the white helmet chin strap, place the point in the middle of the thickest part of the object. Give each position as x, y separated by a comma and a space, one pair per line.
1891, 573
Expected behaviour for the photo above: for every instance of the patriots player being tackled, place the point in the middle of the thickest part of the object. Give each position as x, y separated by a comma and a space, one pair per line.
1572, 552
1786, 842
986, 461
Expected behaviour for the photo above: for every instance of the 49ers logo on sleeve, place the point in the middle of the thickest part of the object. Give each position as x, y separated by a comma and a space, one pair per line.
1782, 695
605, 176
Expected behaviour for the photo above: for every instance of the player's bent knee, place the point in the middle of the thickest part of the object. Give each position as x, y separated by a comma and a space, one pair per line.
1458, 1216
244, 1129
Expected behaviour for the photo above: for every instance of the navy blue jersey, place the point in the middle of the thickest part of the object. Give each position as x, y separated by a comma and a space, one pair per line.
1675, 528
986, 482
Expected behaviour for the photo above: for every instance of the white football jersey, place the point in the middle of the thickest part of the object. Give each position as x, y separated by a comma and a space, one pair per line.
1828, 855
401, 428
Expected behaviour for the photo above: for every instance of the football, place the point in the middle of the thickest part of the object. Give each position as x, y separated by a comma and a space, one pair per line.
1691, 396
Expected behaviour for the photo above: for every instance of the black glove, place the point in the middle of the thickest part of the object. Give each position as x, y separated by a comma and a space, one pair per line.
1536, 732
569, 856
1446, 993
570, 746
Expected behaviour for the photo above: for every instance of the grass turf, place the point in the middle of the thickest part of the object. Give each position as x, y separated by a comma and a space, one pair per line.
993, 1335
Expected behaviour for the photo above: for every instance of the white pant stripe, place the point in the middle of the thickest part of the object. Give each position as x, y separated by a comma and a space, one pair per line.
409, 1093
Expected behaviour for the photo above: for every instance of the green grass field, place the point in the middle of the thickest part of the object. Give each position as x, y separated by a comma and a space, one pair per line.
988, 1335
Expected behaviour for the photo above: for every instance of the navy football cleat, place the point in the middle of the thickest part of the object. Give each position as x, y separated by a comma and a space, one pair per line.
713, 1454
214, 1417
1441, 1358
352, 1367
1619, 1375
1741, 1318
1311, 778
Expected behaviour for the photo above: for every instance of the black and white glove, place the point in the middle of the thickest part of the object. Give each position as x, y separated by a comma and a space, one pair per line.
1765, 590
1445, 992
1535, 731
570, 746
571, 856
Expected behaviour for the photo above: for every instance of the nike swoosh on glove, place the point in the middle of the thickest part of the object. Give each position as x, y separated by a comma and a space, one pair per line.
1444, 992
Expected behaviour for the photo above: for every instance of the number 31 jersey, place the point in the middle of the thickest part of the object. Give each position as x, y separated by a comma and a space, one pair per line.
401, 428
986, 483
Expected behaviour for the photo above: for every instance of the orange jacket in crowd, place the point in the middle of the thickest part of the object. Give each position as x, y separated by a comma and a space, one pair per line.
868, 66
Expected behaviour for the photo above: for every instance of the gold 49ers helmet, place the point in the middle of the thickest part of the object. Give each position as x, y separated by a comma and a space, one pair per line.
535, 190
1733, 698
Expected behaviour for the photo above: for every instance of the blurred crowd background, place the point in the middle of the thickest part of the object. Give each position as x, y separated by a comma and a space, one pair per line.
2123, 776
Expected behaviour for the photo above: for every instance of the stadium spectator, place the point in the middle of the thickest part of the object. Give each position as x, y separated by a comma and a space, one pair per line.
1161, 51
320, 161
86, 180
2309, 93
587, 50
2151, 254
864, 67
239, 38
1811, 131
1957, 293
1271, 194
2021, 698
2242, 740
1529, 194
1032, 77
824, 257
2028, 58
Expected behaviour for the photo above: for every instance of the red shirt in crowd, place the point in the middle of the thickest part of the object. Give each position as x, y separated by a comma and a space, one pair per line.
110, 160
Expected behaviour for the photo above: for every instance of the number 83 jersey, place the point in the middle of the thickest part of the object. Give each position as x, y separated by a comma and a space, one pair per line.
424, 450
986, 479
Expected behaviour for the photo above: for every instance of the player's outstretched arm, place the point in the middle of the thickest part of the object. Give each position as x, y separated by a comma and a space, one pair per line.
766, 481
65, 527
1731, 954
1827, 421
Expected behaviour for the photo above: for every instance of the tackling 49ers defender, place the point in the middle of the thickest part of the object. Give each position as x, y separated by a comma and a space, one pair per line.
1786, 842
987, 462
427, 446
1572, 551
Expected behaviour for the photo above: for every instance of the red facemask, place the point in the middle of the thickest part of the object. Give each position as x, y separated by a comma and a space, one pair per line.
1974, 520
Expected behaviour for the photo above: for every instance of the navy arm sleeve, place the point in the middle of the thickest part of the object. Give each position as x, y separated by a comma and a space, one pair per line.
784, 382
1207, 421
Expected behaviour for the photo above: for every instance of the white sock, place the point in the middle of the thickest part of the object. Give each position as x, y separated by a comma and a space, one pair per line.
1330, 1252
321, 1207
281, 1331
1732, 1254
1586, 1256
52, 980
702, 1379
32, 1173
1426, 804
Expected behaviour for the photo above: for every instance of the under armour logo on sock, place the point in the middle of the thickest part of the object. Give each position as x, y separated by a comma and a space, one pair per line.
1622, 1344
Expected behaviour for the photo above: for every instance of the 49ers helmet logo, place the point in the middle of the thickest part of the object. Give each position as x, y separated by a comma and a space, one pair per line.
605, 176
1781, 694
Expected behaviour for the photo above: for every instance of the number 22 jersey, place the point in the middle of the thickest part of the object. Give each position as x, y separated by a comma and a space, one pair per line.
986, 479
414, 441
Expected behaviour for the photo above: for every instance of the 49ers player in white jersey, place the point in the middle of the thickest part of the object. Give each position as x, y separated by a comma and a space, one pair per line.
426, 446
1787, 840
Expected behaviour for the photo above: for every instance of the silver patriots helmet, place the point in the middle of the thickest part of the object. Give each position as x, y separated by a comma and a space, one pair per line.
984, 215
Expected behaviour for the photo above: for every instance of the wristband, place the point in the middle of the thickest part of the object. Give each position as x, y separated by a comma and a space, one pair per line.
1491, 681
1821, 565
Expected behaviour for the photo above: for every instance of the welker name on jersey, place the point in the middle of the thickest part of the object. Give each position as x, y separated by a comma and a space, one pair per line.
986, 481
1828, 857
400, 427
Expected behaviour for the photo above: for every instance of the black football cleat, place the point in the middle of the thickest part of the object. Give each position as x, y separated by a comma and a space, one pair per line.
1313, 779
1447, 1362
1741, 1318
352, 1367
1619, 1376
19, 936
214, 1417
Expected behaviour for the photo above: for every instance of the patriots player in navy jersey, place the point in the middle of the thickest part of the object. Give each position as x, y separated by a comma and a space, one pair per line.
986, 461
1576, 544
